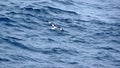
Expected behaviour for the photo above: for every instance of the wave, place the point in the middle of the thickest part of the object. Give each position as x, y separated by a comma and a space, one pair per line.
90, 34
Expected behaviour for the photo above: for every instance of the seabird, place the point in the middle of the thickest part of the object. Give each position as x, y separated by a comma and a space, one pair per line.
55, 27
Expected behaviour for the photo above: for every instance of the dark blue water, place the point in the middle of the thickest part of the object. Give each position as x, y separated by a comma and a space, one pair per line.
90, 37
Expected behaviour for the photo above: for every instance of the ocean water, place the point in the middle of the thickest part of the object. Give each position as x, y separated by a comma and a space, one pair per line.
90, 37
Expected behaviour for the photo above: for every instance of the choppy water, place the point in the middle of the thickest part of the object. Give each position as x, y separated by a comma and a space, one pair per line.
90, 36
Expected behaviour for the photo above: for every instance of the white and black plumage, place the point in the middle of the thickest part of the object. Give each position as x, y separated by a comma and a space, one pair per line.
55, 27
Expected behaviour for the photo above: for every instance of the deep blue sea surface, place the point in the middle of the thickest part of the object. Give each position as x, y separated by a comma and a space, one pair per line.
82, 34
